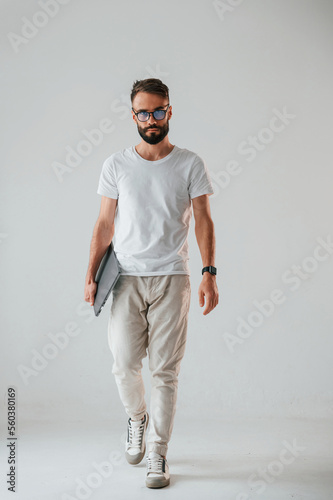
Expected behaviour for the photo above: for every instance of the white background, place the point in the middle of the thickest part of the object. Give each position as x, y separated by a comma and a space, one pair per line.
227, 73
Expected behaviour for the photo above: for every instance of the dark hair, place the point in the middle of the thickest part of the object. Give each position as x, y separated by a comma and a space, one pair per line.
150, 85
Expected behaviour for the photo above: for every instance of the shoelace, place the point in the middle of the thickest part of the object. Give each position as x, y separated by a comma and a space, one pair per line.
154, 464
135, 435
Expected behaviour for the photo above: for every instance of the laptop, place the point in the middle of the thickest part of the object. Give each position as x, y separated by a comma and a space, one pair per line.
106, 278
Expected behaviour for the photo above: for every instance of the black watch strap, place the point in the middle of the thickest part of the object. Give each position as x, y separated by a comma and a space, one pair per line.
210, 269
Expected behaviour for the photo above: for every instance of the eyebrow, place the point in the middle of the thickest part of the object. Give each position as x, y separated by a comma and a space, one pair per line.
159, 107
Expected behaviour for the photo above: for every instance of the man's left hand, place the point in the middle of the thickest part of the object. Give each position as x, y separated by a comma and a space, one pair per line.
208, 290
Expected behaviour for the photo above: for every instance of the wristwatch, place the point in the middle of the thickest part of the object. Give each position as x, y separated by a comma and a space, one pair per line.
210, 269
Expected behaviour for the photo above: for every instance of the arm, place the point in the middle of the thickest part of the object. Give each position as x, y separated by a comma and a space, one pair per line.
205, 235
101, 239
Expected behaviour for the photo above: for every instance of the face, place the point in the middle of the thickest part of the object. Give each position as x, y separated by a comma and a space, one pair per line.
149, 102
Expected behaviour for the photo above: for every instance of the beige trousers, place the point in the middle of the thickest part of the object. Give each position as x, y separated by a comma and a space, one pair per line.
150, 312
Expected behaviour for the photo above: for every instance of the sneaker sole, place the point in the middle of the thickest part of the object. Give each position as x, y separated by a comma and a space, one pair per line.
136, 459
156, 482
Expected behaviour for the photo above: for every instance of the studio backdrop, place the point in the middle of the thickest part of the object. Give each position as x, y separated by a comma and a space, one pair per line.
250, 87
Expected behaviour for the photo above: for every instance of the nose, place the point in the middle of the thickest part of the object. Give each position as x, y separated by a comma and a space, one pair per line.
151, 120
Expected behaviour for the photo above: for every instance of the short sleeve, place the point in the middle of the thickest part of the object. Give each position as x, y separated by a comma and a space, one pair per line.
107, 185
199, 181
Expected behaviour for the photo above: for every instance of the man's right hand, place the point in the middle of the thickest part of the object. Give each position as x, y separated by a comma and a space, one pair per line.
90, 291
101, 239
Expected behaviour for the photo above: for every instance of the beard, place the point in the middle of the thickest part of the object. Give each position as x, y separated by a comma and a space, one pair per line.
154, 137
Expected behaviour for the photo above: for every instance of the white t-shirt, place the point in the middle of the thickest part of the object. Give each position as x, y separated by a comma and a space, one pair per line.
154, 211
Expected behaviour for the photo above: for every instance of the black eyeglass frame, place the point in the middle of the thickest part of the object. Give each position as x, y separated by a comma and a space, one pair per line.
152, 113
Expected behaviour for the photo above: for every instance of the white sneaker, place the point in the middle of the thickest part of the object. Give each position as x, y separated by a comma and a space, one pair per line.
157, 474
135, 446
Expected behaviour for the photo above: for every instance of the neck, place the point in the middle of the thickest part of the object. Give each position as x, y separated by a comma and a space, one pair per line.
154, 152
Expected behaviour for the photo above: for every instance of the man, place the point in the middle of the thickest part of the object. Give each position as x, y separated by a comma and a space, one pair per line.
146, 202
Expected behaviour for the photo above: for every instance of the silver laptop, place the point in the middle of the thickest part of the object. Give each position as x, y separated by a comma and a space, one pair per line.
106, 278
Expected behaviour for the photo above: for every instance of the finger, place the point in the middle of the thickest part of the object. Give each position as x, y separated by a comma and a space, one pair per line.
209, 304
201, 299
89, 298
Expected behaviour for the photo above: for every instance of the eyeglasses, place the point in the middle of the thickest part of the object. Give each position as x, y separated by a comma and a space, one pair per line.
158, 114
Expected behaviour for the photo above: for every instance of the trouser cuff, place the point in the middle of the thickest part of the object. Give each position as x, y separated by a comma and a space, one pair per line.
157, 448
